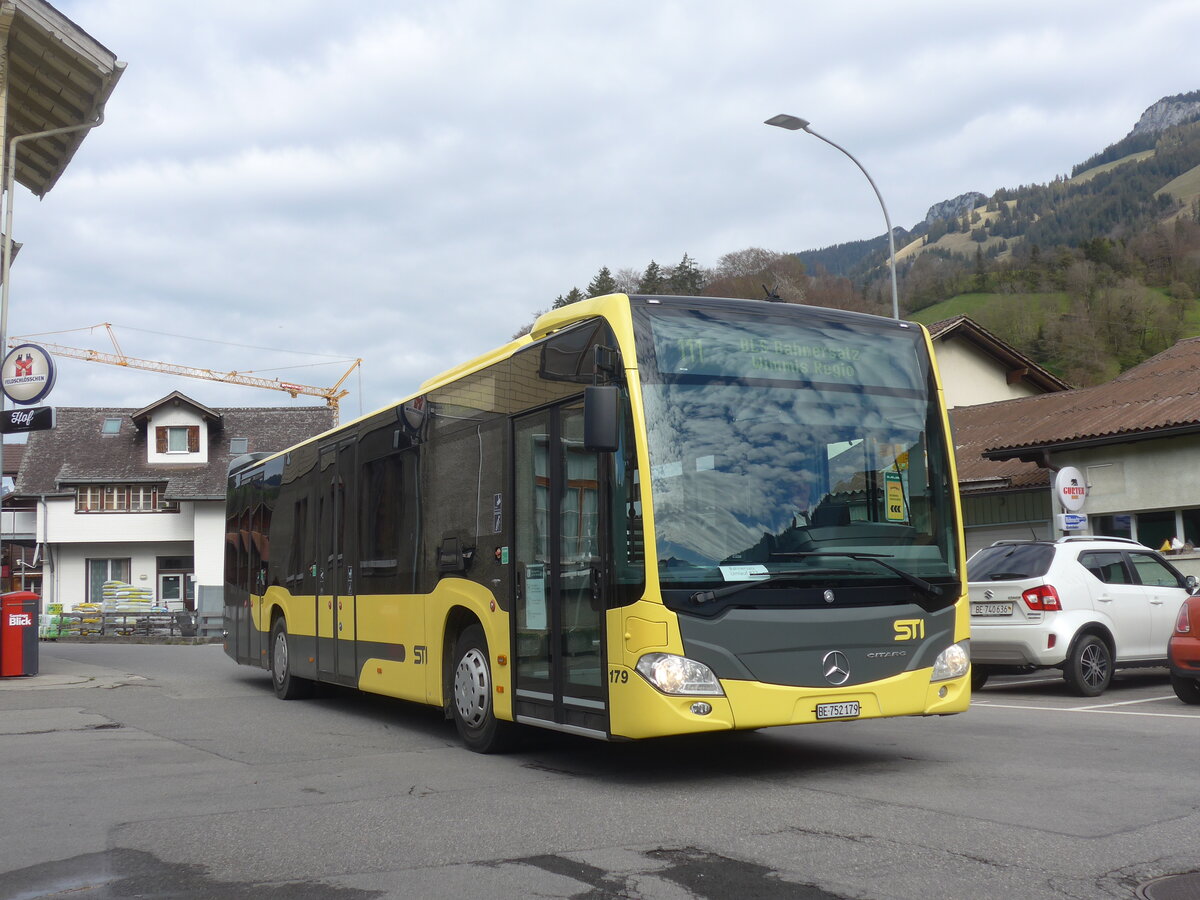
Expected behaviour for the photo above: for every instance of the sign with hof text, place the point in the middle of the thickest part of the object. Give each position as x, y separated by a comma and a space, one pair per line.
27, 374
38, 418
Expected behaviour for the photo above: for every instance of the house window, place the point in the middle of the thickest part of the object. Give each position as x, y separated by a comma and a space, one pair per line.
143, 498
111, 426
89, 499
238, 446
177, 438
102, 498
100, 571
116, 498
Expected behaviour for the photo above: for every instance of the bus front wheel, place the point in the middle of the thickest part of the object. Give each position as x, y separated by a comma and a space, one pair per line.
471, 704
287, 685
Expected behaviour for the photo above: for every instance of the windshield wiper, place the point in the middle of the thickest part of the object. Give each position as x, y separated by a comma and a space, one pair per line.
730, 589
925, 587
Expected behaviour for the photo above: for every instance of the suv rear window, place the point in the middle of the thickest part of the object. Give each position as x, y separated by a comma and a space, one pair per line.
1010, 562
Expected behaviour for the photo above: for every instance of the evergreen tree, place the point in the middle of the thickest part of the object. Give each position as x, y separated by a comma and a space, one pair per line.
652, 281
686, 278
573, 296
981, 280
602, 284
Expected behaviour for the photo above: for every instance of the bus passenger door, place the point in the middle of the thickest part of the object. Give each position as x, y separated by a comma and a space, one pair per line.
336, 650
559, 634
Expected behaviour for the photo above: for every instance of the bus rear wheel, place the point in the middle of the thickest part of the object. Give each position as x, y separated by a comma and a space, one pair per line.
287, 685
471, 703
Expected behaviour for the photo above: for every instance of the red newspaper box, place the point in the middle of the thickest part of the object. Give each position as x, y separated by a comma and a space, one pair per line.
19, 633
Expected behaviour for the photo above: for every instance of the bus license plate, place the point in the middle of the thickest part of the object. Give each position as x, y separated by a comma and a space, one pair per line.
847, 710
991, 609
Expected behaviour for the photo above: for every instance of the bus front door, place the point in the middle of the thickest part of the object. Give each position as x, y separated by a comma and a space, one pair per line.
559, 618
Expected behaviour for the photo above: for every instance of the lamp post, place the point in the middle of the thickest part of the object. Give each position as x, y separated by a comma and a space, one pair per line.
795, 123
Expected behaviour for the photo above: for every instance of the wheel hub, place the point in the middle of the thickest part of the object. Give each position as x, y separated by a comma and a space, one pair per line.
472, 688
280, 658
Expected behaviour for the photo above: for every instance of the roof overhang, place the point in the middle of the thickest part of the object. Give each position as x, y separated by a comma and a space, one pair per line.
1039, 453
1018, 367
55, 75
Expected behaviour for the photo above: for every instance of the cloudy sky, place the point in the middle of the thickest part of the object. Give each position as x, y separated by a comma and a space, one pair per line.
410, 182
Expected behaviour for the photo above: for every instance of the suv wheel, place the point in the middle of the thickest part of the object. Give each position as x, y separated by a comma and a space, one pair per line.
1088, 670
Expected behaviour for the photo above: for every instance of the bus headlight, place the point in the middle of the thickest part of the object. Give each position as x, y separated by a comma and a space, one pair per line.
673, 674
952, 662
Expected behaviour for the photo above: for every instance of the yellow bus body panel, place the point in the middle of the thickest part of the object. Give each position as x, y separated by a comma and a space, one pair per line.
417, 622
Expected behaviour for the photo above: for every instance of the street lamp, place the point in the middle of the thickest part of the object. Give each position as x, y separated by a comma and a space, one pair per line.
795, 123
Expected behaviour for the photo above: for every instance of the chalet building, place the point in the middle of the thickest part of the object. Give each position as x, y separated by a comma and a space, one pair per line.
978, 367
138, 495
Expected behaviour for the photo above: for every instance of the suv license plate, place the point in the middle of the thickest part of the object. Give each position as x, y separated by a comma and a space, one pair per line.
847, 710
991, 609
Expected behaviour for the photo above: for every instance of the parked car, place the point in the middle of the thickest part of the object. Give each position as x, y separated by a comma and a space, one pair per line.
1085, 605
1183, 652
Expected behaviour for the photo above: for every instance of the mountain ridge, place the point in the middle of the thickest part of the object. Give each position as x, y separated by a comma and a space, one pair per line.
966, 212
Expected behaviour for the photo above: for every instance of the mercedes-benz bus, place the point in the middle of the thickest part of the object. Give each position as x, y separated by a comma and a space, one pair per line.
649, 516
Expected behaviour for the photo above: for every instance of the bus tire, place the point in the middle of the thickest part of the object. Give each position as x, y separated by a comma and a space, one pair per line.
471, 703
287, 685
979, 677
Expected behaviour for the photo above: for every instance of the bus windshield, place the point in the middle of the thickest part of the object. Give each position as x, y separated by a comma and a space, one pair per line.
794, 441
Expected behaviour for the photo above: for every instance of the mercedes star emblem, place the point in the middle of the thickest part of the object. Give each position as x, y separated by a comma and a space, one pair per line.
836, 667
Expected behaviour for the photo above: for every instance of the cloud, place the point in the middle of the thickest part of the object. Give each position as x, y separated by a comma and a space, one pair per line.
409, 183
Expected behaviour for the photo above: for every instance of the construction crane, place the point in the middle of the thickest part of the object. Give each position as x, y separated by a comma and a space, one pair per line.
331, 395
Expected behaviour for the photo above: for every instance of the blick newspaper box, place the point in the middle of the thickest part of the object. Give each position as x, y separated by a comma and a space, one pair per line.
19, 633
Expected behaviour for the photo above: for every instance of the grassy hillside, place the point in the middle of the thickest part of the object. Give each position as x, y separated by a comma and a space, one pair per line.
1108, 167
1185, 188
984, 307
957, 241
1042, 325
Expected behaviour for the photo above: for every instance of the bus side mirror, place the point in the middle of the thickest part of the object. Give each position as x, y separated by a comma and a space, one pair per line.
601, 417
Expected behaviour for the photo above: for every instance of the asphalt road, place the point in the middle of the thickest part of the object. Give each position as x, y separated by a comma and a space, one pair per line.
170, 772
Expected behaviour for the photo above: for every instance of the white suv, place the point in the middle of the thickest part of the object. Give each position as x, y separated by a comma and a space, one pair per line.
1082, 604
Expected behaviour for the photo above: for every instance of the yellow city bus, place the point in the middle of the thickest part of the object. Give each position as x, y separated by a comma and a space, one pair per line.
650, 516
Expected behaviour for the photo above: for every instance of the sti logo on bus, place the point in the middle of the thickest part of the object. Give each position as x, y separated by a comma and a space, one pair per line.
909, 629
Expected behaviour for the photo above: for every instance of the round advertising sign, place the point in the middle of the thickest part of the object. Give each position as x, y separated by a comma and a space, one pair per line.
27, 374
1071, 488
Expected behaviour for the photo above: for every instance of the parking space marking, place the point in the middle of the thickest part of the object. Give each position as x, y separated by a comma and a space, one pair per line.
1089, 709
1130, 702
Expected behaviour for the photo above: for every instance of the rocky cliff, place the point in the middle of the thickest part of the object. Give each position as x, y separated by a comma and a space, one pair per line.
1167, 112
952, 209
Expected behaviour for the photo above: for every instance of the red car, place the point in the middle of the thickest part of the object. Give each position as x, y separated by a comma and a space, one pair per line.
1183, 652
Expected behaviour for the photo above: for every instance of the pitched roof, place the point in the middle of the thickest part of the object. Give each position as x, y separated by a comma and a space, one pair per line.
13, 454
75, 452
174, 398
1019, 366
1159, 398
975, 429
